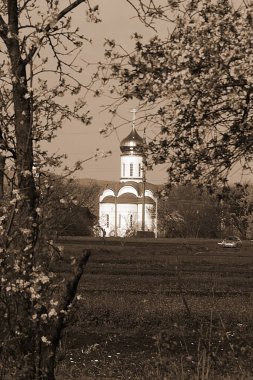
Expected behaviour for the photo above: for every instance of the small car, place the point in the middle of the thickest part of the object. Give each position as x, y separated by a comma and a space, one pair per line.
231, 242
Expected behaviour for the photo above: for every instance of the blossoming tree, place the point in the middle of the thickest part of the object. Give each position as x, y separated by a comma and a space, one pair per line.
195, 87
38, 47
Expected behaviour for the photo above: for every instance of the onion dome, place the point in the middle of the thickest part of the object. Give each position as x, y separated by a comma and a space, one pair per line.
132, 144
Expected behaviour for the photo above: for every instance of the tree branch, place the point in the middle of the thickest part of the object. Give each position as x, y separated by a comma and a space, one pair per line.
69, 8
3, 29
24, 6
70, 293
62, 14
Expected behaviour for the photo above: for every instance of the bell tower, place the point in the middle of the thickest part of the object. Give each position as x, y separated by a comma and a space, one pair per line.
130, 207
131, 159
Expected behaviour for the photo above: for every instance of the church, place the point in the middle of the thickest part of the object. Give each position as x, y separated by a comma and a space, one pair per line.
129, 208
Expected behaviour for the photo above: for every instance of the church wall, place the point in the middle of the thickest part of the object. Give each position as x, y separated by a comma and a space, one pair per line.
107, 217
150, 212
136, 172
149, 217
127, 218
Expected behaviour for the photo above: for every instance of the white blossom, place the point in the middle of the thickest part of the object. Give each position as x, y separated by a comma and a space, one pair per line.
27, 173
39, 211
54, 303
44, 279
52, 313
45, 340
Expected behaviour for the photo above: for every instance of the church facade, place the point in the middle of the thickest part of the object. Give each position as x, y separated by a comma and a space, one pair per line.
129, 207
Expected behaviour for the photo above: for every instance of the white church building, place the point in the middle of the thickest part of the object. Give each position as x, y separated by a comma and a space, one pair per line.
129, 207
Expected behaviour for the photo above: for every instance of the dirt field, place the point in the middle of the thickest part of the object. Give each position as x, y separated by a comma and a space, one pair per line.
160, 309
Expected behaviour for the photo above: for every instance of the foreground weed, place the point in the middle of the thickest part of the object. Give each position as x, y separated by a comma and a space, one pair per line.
204, 350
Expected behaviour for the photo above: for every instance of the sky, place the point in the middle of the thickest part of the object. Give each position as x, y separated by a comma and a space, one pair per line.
80, 142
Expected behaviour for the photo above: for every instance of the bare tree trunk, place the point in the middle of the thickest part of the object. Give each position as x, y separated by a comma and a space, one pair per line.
2, 168
22, 112
37, 359
47, 360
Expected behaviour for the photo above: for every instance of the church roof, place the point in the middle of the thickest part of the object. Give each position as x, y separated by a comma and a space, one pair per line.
138, 186
132, 143
127, 198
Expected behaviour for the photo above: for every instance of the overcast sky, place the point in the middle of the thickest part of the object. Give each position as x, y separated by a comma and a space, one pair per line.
80, 142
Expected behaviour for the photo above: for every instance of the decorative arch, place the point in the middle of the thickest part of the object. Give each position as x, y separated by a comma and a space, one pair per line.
149, 193
129, 198
107, 193
128, 189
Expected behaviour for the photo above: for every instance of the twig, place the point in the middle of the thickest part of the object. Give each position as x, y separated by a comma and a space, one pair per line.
181, 292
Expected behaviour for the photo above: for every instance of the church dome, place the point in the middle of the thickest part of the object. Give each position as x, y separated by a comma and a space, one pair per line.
132, 143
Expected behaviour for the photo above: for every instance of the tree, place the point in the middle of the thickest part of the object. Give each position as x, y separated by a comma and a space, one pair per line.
195, 87
187, 212
237, 207
37, 68
68, 206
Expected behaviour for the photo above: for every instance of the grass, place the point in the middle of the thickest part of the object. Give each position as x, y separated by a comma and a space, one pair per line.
166, 309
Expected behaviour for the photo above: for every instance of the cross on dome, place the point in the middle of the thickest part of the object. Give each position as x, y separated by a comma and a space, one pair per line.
131, 145
133, 111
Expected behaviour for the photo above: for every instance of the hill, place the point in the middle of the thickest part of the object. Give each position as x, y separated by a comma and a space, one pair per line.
104, 184
89, 181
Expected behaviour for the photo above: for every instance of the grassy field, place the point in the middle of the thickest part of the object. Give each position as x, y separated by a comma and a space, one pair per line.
164, 309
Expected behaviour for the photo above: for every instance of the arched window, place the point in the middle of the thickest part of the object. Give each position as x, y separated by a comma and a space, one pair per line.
131, 170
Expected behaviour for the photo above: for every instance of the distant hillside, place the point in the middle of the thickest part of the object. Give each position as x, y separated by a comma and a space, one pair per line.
100, 182
103, 184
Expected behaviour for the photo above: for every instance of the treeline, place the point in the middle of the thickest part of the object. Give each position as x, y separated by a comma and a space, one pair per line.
71, 208
185, 212
189, 212
65, 207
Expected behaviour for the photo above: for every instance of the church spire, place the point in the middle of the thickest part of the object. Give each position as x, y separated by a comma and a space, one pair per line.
132, 144
133, 111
